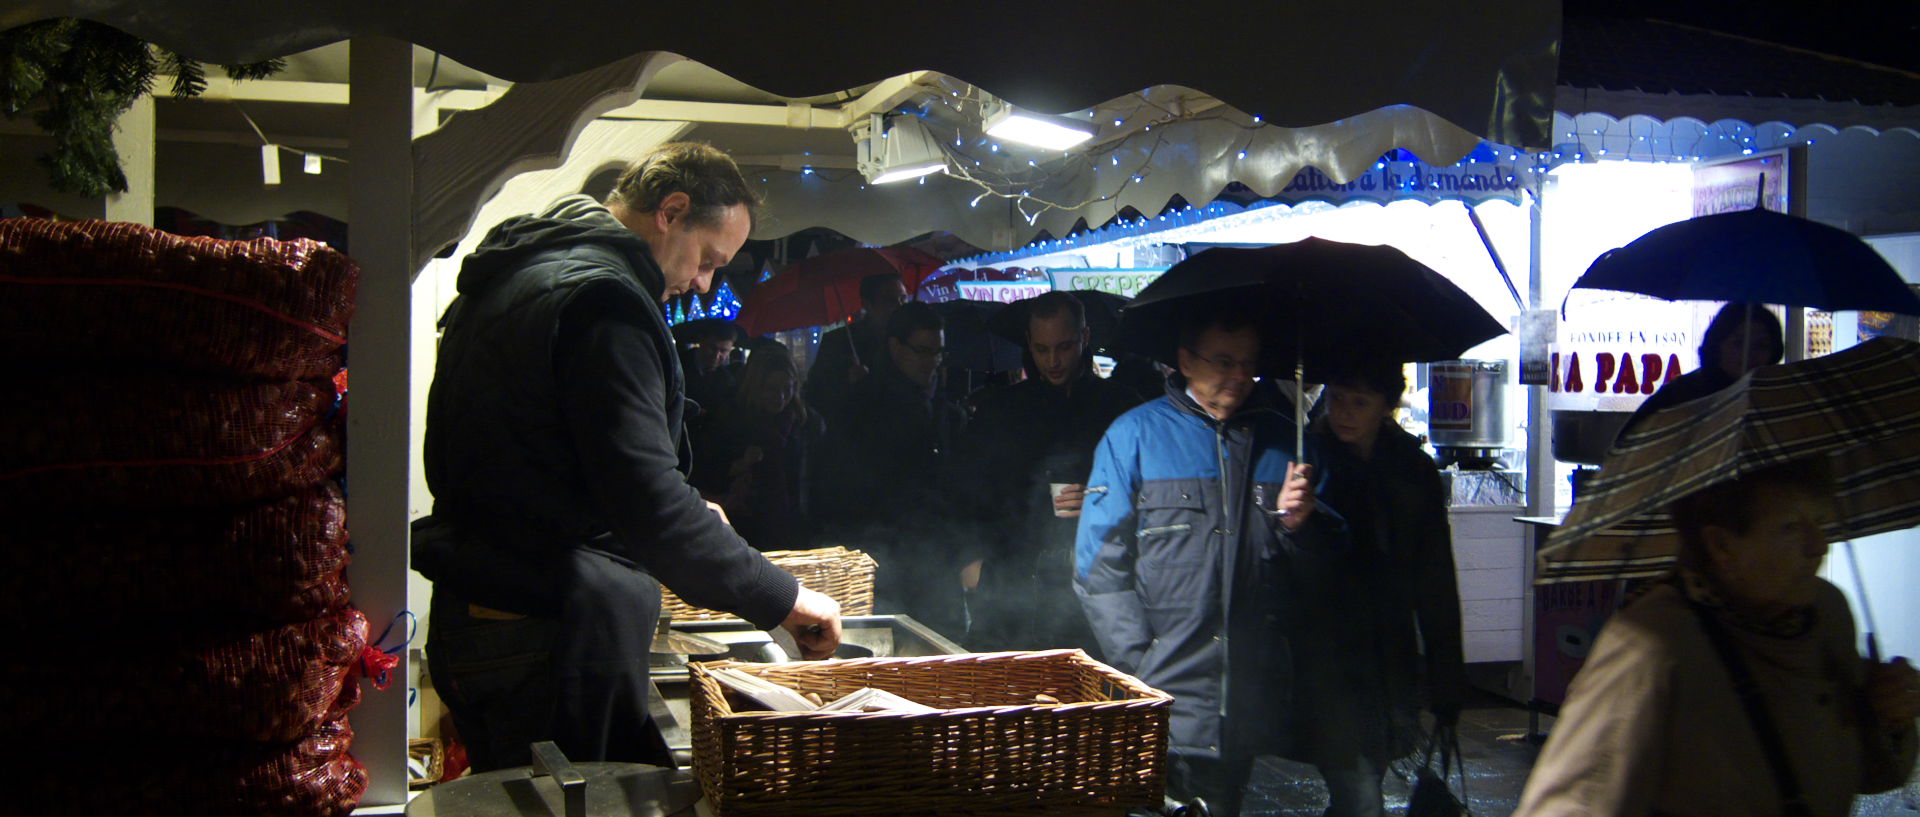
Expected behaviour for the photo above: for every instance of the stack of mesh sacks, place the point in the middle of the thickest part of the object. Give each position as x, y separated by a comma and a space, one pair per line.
173, 552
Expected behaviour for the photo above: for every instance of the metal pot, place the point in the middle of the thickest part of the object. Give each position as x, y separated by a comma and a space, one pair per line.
556, 787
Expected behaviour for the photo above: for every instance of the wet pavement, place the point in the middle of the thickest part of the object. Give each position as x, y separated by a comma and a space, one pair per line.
1493, 737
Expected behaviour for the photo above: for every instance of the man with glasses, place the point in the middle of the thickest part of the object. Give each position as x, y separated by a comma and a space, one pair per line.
882, 467
1196, 506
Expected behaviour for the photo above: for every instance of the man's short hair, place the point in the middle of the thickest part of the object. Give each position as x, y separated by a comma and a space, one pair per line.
716, 332
706, 174
1730, 504
1224, 317
1052, 305
872, 285
911, 317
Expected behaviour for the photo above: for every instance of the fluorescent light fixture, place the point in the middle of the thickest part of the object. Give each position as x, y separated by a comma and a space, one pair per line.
1039, 130
906, 151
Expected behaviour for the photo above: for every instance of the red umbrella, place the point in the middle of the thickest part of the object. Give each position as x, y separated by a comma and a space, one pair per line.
825, 289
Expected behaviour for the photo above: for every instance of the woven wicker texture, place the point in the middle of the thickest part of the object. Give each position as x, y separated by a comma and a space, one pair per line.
105, 293
311, 777
189, 678
1101, 749
154, 441
281, 560
843, 574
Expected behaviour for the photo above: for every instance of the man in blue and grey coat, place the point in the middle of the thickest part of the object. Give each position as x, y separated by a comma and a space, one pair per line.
1196, 506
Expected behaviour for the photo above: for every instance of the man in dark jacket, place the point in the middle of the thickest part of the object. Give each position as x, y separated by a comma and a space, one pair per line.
710, 378
881, 487
1195, 509
1022, 441
850, 354
557, 458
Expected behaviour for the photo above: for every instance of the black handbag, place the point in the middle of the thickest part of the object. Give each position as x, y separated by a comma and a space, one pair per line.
1431, 797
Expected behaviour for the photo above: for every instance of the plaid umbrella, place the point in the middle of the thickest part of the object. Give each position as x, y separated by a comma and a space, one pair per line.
1860, 408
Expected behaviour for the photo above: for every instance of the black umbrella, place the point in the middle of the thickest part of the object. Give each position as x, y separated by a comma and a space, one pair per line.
1103, 317
970, 344
1757, 256
1322, 304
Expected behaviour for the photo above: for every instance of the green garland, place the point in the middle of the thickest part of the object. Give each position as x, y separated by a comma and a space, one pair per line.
76, 77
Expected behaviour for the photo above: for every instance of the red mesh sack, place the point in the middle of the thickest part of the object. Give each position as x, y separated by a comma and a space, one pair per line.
105, 292
150, 441
310, 777
280, 560
274, 684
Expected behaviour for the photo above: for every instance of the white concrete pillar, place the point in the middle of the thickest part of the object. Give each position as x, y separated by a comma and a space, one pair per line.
133, 139
379, 218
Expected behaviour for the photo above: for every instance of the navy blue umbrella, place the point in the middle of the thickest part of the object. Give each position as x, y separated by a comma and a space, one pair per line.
1757, 256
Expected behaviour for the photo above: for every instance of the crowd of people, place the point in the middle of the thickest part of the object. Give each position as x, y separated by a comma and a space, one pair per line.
1180, 537
1295, 600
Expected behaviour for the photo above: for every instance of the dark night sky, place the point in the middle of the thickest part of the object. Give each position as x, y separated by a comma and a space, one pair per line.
1885, 33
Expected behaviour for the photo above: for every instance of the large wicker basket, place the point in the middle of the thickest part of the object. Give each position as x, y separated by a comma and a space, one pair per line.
843, 574
992, 749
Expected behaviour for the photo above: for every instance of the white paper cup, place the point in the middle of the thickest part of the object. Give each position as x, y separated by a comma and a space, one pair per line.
1054, 489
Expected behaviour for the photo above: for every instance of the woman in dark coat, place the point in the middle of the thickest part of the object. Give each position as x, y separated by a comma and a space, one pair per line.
752, 456
1742, 337
1362, 621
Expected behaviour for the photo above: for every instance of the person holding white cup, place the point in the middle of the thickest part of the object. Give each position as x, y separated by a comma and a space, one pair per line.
1022, 469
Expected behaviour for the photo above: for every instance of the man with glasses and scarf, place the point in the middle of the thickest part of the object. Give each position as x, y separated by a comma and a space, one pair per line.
1195, 509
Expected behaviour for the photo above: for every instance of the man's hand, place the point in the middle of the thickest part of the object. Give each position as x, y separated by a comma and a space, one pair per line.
715, 507
970, 575
815, 624
1067, 503
1296, 497
1893, 690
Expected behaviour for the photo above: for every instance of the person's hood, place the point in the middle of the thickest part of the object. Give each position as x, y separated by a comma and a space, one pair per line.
571, 220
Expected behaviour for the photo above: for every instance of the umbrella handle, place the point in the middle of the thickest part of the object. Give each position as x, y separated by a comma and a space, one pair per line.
1866, 610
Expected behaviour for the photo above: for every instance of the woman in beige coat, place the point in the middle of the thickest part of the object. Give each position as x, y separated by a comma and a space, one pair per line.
1653, 724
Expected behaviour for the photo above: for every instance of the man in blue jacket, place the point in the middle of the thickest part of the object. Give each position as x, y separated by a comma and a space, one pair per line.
557, 456
1196, 505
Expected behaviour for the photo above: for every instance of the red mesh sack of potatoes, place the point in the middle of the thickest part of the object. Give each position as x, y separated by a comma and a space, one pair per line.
313, 776
109, 293
279, 560
185, 677
146, 441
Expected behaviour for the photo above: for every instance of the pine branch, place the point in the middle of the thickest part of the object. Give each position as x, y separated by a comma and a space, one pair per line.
256, 70
189, 79
78, 77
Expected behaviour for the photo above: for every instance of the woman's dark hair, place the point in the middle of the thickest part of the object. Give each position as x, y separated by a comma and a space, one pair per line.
1389, 380
1731, 505
706, 174
1729, 321
770, 358
911, 317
